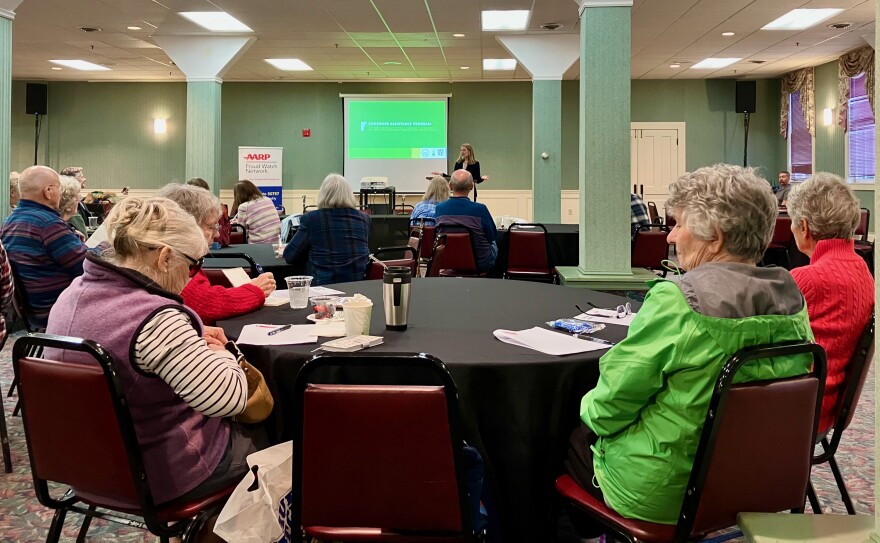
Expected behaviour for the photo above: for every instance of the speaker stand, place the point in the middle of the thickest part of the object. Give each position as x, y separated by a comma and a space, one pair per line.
37, 127
746, 144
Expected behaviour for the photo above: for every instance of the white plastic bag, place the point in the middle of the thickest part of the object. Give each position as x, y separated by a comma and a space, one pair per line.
260, 515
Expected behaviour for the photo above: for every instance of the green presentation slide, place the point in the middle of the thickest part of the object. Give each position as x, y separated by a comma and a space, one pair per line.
406, 129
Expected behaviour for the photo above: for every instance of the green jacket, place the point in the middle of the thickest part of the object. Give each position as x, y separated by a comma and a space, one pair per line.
654, 387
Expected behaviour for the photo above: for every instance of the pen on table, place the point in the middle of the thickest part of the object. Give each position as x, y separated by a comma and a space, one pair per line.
266, 326
280, 329
596, 339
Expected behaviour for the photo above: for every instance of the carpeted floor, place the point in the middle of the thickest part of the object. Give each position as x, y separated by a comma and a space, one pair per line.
23, 519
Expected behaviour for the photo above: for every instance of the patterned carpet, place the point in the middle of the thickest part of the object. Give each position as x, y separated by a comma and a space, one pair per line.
24, 520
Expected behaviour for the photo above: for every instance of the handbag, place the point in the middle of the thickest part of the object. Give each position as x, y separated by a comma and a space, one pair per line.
260, 401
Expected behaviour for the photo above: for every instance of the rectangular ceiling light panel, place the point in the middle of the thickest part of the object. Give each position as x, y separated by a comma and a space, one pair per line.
514, 19
800, 19
81, 65
499, 64
289, 64
715, 63
216, 21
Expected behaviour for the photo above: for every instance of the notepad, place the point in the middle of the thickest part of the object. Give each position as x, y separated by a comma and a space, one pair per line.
236, 276
351, 344
548, 341
98, 236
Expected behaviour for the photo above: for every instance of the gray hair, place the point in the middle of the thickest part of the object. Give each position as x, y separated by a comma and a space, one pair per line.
198, 202
438, 189
830, 207
462, 181
336, 192
729, 199
70, 189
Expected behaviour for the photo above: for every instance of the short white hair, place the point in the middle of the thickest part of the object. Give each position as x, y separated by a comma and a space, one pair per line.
729, 199
196, 201
70, 189
336, 192
830, 207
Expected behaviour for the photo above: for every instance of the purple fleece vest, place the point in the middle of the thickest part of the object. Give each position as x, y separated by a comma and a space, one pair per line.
109, 305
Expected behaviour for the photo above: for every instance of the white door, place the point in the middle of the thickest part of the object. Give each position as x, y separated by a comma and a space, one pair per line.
658, 159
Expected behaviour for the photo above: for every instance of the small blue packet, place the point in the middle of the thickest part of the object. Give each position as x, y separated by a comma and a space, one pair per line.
575, 326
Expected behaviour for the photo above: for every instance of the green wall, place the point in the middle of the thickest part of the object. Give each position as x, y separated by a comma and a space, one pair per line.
107, 127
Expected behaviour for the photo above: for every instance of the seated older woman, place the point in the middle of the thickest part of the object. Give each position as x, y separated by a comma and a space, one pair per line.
180, 382
68, 207
213, 303
643, 420
837, 285
438, 191
335, 236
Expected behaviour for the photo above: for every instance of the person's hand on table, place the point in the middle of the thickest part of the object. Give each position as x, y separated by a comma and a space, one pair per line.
215, 338
81, 236
265, 282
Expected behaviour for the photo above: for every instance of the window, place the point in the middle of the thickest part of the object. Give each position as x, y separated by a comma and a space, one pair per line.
860, 137
800, 142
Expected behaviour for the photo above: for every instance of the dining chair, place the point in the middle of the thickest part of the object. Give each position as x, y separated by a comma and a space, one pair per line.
79, 433
863, 247
458, 259
527, 253
216, 275
857, 371
238, 234
379, 459
409, 260
649, 247
653, 214
765, 425
781, 240
25, 312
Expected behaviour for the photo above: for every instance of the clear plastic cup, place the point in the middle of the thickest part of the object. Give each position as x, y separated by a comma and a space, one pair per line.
298, 288
93, 222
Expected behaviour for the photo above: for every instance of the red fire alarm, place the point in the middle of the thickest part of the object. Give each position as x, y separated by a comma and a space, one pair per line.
307, 132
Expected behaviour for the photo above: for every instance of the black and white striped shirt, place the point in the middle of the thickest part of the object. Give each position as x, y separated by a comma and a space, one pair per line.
211, 382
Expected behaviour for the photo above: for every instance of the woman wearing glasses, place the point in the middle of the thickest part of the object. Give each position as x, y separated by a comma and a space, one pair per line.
213, 303
642, 422
179, 380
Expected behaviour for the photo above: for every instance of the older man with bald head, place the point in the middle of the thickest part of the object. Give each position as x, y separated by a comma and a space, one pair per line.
45, 253
459, 211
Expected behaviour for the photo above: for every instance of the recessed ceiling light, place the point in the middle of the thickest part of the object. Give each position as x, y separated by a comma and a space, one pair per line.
90, 29
728, 34
715, 63
839, 26
215, 21
391, 63
757, 61
513, 19
499, 64
800, 19
289, 64
675, 65
465, 67
56, 67
134, 28
458, 35
80, 65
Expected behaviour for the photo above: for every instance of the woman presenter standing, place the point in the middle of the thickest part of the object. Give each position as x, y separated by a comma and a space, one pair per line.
468, 161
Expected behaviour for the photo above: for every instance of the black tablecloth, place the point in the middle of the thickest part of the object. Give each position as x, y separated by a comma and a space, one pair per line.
563, 247
263, 254
518, 405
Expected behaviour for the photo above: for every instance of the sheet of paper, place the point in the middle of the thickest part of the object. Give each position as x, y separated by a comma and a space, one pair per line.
237, 276
99, 236
324, 291
258, 334
280, 293
605, 316
548, 341
273, 301
329, 328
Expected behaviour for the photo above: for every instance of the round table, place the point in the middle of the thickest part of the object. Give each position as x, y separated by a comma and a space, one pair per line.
518, 406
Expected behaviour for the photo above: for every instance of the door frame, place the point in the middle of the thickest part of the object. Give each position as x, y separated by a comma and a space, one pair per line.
682, 138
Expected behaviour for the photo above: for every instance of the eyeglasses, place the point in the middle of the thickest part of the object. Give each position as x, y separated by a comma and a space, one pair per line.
621, 311
194, 265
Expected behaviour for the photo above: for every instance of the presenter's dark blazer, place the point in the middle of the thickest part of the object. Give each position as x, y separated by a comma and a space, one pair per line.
474, 170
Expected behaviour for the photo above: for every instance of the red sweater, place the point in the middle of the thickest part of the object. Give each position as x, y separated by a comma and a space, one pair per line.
839, 292
213, 303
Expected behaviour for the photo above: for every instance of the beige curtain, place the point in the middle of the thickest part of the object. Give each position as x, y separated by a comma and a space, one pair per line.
851, 65
799, 81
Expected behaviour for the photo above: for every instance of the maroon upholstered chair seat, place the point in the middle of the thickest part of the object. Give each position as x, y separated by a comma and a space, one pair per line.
527, 253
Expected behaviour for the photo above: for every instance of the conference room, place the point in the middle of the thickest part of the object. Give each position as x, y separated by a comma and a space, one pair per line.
555, 110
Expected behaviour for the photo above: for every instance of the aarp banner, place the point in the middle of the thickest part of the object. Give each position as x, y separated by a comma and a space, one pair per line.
262, 167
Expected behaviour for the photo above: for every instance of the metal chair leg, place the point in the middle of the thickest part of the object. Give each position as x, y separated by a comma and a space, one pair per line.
844, 494
84, 529
17, 408
4, 440
57, 524
12, 387
814, 500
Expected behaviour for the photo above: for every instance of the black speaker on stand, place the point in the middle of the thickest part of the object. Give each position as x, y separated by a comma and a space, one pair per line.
36, 104
746, 92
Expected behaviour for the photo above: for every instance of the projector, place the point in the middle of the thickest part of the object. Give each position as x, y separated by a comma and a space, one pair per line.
374, 182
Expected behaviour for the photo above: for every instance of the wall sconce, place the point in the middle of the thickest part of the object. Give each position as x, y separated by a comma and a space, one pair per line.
160, 126
827, 116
